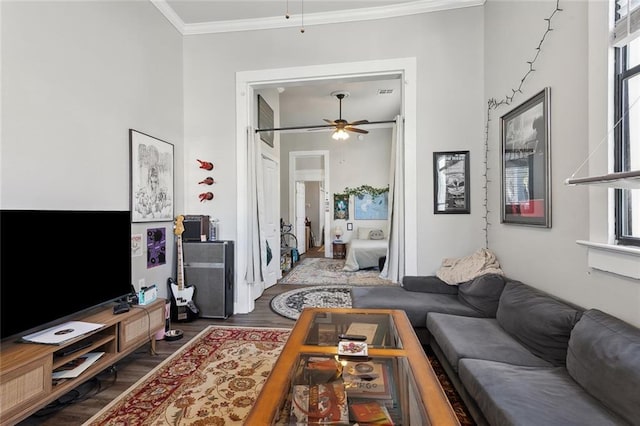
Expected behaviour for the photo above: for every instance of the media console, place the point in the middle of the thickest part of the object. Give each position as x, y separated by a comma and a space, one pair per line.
26, 382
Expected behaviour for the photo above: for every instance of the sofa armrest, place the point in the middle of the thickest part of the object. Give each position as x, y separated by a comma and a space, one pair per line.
427, 284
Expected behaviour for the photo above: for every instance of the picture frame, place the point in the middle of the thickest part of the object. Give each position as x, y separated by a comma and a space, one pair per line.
371, 207
265, 121
451, 187
525, 160
340, 206
151, 171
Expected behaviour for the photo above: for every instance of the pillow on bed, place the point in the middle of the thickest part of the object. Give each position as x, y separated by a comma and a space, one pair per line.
376, 234
363, 233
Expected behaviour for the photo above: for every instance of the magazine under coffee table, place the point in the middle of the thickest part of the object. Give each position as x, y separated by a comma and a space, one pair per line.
312, 382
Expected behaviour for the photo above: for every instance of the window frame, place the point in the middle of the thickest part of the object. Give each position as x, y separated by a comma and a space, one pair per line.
622, 141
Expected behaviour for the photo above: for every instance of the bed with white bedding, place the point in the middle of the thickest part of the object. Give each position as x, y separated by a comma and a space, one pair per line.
363, 254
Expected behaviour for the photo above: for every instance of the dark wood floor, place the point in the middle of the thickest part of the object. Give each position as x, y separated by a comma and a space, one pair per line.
130, 369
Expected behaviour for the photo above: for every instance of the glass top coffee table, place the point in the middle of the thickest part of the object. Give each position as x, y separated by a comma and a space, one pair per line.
320, 377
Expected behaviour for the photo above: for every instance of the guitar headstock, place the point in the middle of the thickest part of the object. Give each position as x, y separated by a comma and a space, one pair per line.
179, 227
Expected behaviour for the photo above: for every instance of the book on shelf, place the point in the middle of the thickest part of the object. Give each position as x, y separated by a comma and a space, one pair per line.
76, 366
371, 413
367, 379
319, 404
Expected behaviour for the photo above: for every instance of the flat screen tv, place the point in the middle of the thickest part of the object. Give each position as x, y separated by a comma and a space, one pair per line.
57, 263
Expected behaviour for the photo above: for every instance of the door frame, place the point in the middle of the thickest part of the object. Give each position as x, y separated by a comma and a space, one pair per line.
246, 117
321, 175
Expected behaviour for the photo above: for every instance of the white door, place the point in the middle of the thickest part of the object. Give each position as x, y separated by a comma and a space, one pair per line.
271, 226
300, 217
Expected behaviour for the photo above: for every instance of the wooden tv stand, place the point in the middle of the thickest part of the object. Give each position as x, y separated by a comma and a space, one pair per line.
26, 383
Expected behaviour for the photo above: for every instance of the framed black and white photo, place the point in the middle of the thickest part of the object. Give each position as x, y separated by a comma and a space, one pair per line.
151, 172
451, 182
526, 163
265, 121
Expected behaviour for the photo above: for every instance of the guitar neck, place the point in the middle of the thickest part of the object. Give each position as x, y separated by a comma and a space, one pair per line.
180, 271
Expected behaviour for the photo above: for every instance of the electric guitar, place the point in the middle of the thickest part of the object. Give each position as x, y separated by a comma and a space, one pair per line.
183, 307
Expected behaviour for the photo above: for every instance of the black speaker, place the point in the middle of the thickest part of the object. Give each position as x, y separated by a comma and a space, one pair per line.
194, 227
209, 267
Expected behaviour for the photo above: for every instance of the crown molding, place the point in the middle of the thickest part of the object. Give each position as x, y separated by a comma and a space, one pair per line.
363, 14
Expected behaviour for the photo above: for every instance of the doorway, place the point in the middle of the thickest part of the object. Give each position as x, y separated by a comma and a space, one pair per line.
249, 81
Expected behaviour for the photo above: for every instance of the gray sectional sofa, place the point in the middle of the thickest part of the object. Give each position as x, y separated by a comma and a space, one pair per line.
518, 356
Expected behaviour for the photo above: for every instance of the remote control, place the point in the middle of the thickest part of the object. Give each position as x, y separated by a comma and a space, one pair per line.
354, 337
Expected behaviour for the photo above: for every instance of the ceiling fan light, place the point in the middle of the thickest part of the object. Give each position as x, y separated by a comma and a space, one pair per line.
340, 135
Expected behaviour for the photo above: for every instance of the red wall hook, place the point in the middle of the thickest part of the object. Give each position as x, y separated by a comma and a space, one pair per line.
206, 196
208, 181
205, 165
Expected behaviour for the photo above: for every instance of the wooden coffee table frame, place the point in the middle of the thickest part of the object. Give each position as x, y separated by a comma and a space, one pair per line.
276, 388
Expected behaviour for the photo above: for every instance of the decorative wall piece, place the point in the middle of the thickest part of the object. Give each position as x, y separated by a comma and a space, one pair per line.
340, 206
156, 247
525, 155
151, 171
372, 207
265, 121
451, 190
205, 165
136, 245
207, 181
206, 196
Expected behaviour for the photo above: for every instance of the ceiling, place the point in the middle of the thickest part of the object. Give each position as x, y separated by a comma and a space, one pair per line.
309, 103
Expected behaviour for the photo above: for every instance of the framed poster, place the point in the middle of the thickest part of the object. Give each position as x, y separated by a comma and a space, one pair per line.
526, 163
265, 121
340, 206
151, 172
371, 207
451, 190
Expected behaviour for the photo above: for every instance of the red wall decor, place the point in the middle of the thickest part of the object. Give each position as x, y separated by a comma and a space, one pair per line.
206, 196
205, 165
207, 181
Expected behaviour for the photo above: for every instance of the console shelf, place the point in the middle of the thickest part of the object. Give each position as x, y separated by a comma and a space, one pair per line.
26, 382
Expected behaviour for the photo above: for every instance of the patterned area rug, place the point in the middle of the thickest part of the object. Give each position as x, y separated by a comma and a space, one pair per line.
317, 271
212, 380
291, 303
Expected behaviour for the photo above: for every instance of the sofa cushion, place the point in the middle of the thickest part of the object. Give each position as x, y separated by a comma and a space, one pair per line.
428, 284
481, 338
604, 358
540, 322
517, 395
415, 304
482, 293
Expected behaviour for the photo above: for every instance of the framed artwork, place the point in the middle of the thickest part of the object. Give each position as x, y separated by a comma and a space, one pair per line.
451, 189
526, 163
151, 171
371, 207
340, 206
265, 121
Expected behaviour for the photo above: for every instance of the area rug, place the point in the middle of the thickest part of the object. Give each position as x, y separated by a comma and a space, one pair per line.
291, 303
317, 271
212, 380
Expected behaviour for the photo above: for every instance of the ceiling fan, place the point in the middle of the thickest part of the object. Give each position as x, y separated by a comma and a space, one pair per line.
343, 126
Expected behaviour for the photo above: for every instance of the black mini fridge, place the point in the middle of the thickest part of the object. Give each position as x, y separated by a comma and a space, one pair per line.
208, 266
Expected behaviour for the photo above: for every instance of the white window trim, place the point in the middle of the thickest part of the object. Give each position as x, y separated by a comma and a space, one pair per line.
621, 260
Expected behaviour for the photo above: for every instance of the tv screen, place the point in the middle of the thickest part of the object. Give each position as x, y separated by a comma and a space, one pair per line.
56, 263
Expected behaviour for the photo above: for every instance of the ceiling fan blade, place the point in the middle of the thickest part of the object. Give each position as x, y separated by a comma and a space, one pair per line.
355, 129
355, 123
329, 121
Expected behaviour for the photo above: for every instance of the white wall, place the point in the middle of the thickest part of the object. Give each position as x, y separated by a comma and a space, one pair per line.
448, 47
76, 76
550, 259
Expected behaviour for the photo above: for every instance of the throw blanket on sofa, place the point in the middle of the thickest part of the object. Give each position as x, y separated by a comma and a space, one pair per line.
455, 271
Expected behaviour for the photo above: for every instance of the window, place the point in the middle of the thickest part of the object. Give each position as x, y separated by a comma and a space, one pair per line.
627, 132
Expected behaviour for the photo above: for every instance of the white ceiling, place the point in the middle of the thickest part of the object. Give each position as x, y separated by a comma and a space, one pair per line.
309, 104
